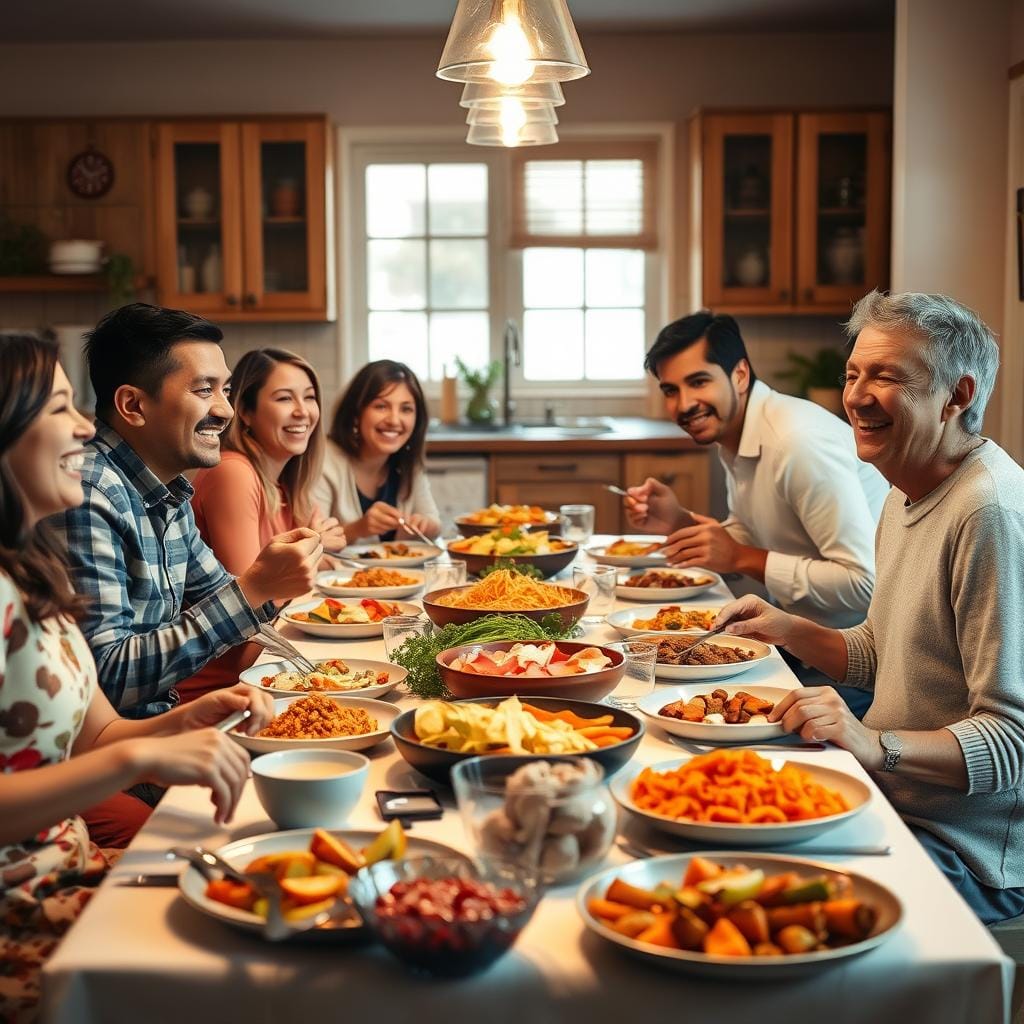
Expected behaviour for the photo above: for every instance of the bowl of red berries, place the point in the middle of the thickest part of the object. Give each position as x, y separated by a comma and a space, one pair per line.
444, 916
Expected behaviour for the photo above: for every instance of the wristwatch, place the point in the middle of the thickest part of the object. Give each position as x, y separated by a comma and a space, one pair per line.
893, 747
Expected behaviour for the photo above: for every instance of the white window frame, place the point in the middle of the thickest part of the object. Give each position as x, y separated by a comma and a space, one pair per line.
358, 147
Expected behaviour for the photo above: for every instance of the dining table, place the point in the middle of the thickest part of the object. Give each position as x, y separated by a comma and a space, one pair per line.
143, 954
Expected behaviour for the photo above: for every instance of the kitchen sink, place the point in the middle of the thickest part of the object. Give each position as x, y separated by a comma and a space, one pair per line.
562, 426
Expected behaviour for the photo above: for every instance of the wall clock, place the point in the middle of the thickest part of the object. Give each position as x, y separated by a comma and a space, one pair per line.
90, 174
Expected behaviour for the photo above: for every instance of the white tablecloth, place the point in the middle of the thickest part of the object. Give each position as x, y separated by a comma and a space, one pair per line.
141, 955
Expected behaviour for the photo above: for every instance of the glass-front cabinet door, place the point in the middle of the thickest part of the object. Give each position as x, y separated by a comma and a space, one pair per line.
199, 209
747, 210
843, 207
284, 169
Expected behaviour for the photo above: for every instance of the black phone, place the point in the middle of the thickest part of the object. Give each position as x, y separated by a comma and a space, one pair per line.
409, 804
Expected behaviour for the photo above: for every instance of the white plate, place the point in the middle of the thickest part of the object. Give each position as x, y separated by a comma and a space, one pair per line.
384, 713
652, 704
856, 793
669, 595
696, 673
396, 674
623, 620
342, 630
324, 583
597, 552
647, 874
423, 554
238, 854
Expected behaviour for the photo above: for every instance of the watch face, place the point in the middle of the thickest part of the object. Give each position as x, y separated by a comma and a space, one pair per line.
90, 174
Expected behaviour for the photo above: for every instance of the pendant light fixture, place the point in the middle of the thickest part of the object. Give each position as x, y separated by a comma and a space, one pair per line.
512, 42
527, 135
532, 94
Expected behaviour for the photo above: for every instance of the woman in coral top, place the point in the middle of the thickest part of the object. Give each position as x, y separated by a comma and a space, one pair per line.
63, 748
271, 455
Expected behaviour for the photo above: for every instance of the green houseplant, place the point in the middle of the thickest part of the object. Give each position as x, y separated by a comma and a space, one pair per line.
120, 273
818, 377
481, 408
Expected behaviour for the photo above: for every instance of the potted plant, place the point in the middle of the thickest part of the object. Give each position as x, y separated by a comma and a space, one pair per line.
819, 377
481, 408
120, 278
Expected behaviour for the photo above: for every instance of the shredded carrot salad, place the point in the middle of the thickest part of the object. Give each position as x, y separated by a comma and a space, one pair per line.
507, 591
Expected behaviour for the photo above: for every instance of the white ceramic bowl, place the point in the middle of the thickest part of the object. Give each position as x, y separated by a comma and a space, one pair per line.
669, 595
652, 704
383, 712
344, 630
329, 583
315, 799
695, 673
255, 675
745, 837
623, 620
599, 553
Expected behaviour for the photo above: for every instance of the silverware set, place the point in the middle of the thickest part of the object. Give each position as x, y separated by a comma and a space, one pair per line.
271, 640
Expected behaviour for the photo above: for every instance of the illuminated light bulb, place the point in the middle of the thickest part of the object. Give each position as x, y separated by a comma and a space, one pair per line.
511, 119
511, 52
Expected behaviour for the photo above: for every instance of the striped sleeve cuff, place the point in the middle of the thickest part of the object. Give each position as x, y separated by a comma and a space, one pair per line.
860, 660
227, 615
980, 738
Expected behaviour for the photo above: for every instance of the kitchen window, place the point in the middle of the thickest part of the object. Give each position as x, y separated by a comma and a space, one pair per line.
448, 246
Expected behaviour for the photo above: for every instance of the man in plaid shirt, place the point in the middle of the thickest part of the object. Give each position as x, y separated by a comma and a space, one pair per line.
163, 606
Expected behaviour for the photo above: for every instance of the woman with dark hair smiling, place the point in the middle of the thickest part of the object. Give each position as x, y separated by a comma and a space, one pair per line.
51, 709
373, 468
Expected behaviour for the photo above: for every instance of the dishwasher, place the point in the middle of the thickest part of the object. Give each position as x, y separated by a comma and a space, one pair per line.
459, 485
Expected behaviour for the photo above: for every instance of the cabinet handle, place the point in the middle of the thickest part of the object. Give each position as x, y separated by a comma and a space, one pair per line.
232, 300
557, 467
250, 299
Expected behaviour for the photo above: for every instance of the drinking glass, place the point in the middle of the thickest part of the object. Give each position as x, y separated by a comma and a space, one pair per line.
398, 628
638, 679
439, 573
599, 582
577, 522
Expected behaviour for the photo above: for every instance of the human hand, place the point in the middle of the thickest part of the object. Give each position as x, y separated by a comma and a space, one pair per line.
706, 544
332, 533
380, 518
819, 713
199, 757
285, 568
652, 507
754, 617
213, 708
425, 524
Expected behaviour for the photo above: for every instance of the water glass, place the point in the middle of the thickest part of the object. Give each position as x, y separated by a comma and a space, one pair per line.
398, 629
599, 581
638, 679
440, 573
577, 522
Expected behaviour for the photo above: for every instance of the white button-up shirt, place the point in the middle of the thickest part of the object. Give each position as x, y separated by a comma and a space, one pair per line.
797, 489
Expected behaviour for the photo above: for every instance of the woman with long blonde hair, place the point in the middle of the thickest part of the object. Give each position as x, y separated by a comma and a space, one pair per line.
272, 452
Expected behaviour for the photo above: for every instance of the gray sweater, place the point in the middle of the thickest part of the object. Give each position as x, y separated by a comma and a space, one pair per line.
943, 646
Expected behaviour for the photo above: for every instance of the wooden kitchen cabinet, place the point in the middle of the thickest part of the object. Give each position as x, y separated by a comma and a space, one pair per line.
687, 475
243, 226
789, 210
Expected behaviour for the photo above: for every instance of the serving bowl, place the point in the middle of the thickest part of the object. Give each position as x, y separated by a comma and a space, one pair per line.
297, 790
436, 762
589, 686
435, 943
548, 565
341, 630
650, 706
255, 675
670, 594
384, 713
745, 836
442, 614
552, 523
694, 673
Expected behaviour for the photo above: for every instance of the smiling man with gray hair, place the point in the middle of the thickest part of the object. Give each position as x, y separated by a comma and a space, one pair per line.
942, 647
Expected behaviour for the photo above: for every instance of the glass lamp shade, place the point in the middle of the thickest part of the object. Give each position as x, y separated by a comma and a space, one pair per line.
532, 94
512, 42
512, 115
527, 135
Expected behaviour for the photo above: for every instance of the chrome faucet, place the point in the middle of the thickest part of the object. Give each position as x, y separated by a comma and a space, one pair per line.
512, 357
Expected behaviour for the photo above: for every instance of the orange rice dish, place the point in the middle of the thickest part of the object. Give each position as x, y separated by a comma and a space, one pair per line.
319, 718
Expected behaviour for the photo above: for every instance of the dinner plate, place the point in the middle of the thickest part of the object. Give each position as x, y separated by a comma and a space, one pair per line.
623, 620
652, 704
421, 553
855, 792
695, 673
648, 874
240, 853
396, 674
668, 595
329, 582
342, 630
599, 553
384, 712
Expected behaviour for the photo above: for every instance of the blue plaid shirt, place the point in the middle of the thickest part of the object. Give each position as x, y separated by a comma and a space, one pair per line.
162, 605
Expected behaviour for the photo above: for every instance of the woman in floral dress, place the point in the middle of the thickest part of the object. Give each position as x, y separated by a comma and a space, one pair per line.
62, 746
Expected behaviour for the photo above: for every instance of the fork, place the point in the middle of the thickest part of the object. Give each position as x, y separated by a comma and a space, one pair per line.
704, 639
409, 528
273, 641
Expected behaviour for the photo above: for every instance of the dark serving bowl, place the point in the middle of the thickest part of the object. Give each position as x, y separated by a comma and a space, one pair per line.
590, 686
468, 529
442, 614
436, 763
547, 564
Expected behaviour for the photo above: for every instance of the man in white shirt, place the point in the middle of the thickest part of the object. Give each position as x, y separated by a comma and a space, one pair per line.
802, 506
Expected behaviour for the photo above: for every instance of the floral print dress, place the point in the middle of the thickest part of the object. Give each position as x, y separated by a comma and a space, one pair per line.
47, 678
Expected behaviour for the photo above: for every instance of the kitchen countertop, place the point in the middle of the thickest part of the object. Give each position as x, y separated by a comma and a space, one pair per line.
622, 434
